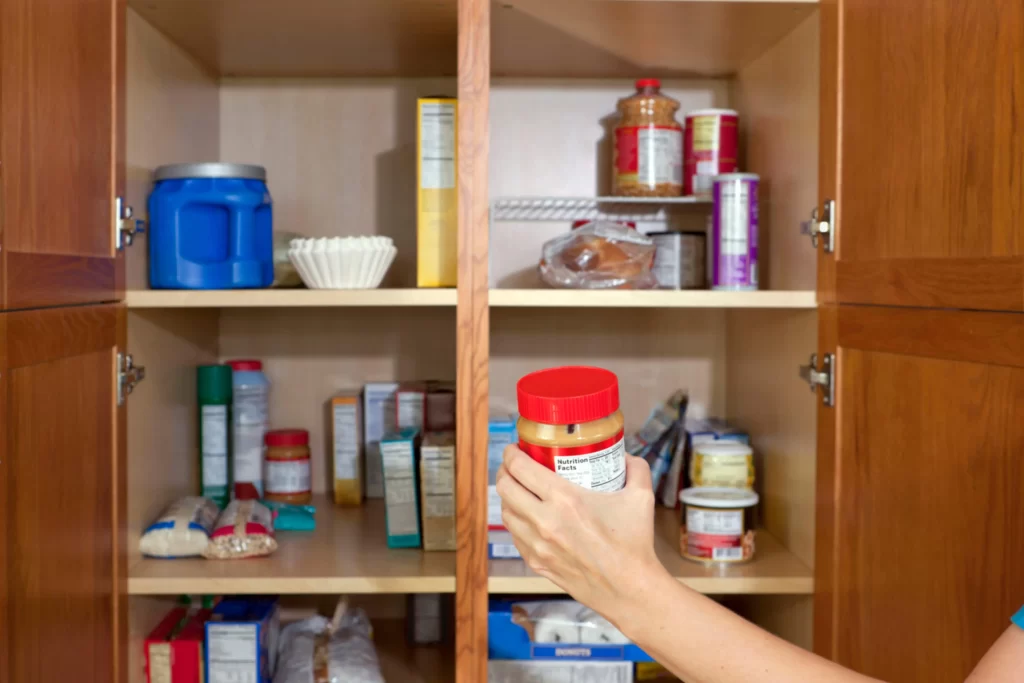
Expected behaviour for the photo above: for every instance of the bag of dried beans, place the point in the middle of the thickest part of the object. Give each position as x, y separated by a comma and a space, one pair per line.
244, 529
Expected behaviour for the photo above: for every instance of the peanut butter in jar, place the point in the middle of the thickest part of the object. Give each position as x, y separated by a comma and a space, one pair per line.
647, 156
287, 477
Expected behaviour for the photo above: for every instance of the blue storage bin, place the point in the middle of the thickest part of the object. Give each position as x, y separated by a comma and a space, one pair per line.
210, 227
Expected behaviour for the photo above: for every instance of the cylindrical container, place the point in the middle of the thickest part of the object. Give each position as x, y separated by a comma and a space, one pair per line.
718, 524
647, 155
250, 408
733, 239
210, 227
288, 477
679, 259
728, 464
570, 422
213, 383
710, 148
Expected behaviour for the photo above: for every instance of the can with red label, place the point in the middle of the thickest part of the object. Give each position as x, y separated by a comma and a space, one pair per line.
710, 148
718, 524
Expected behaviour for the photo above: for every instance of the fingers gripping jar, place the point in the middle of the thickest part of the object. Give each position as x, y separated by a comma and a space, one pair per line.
570, 422
647, 158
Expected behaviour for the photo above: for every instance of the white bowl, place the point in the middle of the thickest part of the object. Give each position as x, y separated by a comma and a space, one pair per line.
342, 262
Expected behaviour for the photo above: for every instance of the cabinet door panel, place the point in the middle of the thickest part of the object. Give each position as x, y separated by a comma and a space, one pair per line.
60, 94
61, 478
920, 512
930, 151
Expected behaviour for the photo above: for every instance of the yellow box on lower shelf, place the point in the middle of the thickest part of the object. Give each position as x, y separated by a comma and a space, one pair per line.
436, 192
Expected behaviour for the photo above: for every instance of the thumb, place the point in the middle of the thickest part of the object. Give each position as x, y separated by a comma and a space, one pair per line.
638, 473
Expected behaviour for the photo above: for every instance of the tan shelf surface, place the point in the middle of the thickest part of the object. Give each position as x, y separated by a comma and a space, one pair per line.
618, 298
774, 570
401, 662
287, 298
347, 553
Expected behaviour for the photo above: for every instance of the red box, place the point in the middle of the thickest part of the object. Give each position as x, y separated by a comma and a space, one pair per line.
174, 650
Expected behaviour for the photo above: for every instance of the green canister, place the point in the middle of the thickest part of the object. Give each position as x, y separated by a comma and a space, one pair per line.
214, 393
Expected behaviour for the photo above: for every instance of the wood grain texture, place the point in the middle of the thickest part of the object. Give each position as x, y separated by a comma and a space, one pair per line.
830, 113
61, 496
119, 137
827, 495
5, 623
932, 152
56, 90
991, 283
37, 280
925, 551
123, 543
472, 341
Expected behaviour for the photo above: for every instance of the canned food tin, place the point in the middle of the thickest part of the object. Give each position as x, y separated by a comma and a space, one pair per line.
718, 524
710, 148
732, 262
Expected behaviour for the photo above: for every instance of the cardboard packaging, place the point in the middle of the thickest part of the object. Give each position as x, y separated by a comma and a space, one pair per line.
428, 618
437, 193
437, 477
241, 640
411, 405
378, 420
399, 451
347, 447
173, 652
440, 412
501, 431
499, 671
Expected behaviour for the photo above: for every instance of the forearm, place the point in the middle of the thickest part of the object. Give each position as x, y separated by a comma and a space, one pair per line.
702, 642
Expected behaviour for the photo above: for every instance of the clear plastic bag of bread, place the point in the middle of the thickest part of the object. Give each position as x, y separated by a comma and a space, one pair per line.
599, 255
320, 650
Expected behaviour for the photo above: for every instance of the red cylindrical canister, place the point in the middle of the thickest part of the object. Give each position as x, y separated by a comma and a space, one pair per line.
710, 148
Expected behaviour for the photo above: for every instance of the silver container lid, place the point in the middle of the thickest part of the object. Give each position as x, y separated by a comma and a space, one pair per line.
210, 170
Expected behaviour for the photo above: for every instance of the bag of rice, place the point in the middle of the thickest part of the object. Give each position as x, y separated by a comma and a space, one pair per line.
244, 529
183, 530
337, 650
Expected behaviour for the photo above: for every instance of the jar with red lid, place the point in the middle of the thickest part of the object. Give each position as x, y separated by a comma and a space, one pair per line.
288, 474
570, 422
647, 150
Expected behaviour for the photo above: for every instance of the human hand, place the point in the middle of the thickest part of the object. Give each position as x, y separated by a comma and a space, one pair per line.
593, 545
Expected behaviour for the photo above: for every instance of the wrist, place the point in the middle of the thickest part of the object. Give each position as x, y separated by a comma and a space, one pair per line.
647, 587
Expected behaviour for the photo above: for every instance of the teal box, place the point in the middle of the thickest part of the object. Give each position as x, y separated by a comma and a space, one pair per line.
399, 453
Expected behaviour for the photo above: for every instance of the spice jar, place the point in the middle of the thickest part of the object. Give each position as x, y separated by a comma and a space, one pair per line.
570, 422
647, 159
718, 524
287, 474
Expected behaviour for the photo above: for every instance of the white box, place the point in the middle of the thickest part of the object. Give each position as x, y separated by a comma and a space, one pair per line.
378, 420
525, 671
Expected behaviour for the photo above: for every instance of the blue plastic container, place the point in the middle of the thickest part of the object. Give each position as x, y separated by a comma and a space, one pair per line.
210, 227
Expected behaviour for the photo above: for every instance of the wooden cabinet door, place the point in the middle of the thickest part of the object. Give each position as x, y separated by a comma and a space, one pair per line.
920, 471
62, 490
923, 150
61, 147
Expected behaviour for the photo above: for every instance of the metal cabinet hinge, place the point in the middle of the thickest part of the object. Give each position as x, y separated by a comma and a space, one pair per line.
823, 226
128, 375
824, 378
126, 226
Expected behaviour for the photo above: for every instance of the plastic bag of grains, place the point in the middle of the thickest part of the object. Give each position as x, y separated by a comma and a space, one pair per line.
183, 530
320, 650
244, 529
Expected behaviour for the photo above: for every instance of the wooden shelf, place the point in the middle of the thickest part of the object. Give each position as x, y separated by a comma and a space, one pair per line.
347, 553
288, 298
774, 570
404, 663
567, 298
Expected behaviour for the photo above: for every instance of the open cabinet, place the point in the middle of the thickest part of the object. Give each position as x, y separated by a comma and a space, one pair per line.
891, 482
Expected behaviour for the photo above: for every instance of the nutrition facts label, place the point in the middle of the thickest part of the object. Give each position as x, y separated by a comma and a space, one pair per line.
603, 470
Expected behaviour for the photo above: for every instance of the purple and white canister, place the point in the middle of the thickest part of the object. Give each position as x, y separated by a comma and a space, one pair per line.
732, 262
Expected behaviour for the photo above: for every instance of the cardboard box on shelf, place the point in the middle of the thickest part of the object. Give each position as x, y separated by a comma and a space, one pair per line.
241, 640
399, 453
436, 192
437, 487
501, 432
378, 420
440, 411
502, 671
347, 447
173, 652
411, 405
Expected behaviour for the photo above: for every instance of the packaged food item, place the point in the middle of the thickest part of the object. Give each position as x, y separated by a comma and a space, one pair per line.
347, 448
500, 545
173, 651
437, 474
505, 671
411, 405
440, 413
570, 422
733, 240
679, 259
427, 617
288, 471
710, 148
320, 650
718, 524
213, 383
436, 196
399, 451
501, 432
723, 464
285, 273
242, 639
292, 517
378, 420
647, 157
183, 530
250, 408
244, 529
599, 255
